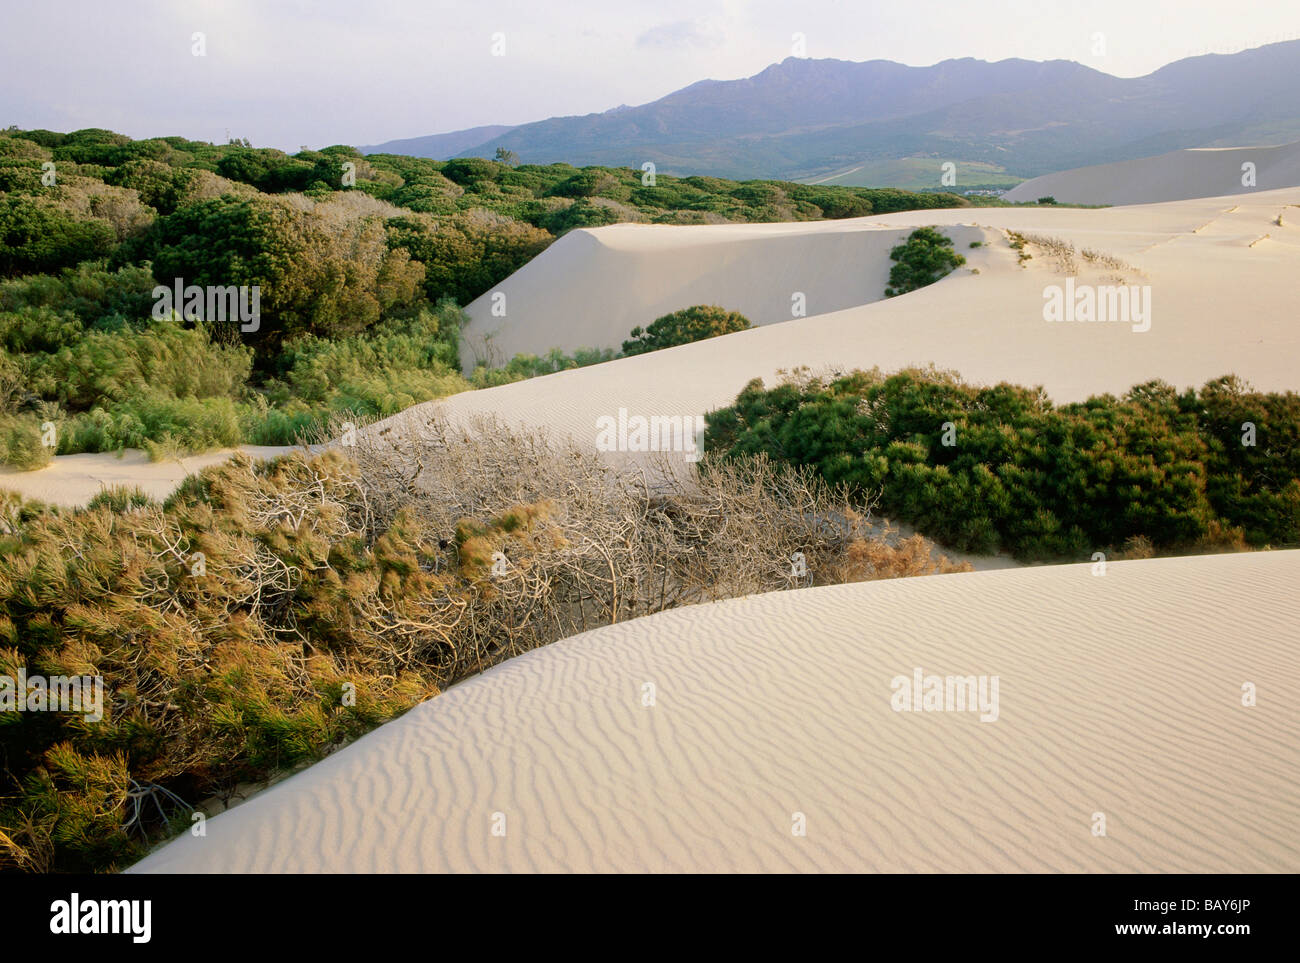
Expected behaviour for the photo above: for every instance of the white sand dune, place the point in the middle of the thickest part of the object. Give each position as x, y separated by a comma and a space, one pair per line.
1220, 272
592, 287
1119, 695
1175, 176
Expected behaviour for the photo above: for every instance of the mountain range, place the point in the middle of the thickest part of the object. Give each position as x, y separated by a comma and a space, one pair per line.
847, 122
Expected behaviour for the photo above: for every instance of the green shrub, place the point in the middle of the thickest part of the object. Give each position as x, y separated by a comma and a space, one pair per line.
162, 425
161, 358
22, 444
471, 170
120, 498
160, 185
524, 366
396, 364
465, 255
581, 213
924, 258
38, 236
86, 295
315, 275
38, 329
682, 327
1040, 481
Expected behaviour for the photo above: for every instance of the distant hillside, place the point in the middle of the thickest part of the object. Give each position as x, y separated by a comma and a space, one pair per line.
918, 173
807, 119
1173, 176
440, 146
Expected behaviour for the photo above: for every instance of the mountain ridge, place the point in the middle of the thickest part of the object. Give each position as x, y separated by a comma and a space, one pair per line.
802, 118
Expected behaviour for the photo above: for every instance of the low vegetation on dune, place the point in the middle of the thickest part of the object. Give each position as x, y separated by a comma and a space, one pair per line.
994, 468
926, 256
359, 262
683, 327
77, 375
268, 612
523, 366
695, 323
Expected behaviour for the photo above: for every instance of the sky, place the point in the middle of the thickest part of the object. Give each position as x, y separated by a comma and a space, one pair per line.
310, 73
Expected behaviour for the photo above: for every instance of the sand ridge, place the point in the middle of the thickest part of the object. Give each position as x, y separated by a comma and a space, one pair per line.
1219, 306
1177, 175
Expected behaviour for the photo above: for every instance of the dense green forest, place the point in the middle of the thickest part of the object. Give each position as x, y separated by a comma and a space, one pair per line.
361, 264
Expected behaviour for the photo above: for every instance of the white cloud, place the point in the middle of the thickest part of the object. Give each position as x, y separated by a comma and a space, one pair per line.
682, 35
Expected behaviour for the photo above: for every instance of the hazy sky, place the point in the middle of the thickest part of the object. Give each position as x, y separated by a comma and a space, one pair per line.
287, 73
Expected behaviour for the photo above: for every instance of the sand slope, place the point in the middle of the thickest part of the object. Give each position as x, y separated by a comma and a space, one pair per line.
593, 286
72, 480
1118, 694
1177, 175
1220, 272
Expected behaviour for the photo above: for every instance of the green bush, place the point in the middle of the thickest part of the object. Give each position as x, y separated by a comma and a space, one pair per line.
88, 294
315, 275
1040, 481
581, 213
36, 236
21, 442
524, 366
162, 425
924, 258
161, 358
38, 329
472, 170
682, 327
395, 365
465, 255
160, 185
120, 498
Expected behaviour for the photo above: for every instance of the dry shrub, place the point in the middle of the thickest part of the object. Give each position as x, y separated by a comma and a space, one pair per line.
348, 206
629, 539
205, 185
1221, 537
119, 207
879, 555
624, 213
270, 612
1061, 252
1137, 546
1101, 259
